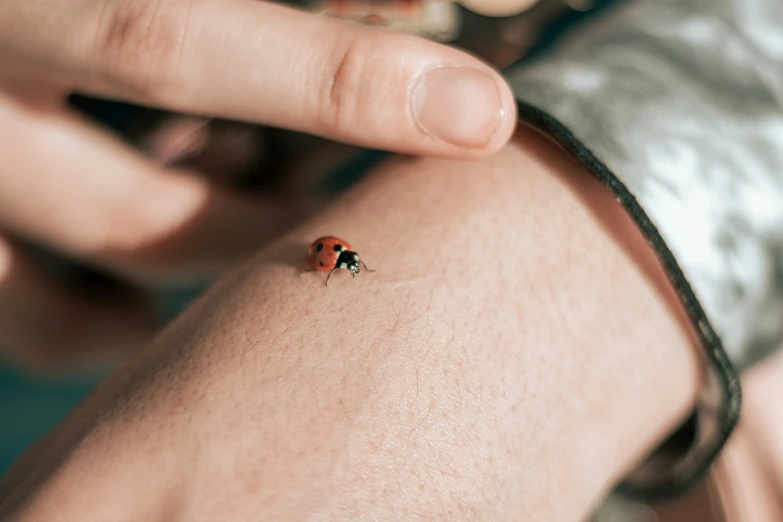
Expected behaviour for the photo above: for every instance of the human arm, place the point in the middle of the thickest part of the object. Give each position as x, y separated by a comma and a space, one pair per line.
493, 368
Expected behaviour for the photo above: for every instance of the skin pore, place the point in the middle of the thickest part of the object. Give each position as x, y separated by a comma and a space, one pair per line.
515, 353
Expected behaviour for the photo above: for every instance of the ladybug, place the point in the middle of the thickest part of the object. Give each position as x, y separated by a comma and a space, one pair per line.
331, 253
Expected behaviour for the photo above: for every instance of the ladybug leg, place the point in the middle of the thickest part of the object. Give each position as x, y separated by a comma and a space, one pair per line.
330, 275
365, 266
308, 270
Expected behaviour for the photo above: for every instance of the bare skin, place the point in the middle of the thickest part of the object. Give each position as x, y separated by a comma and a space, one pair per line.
494, 368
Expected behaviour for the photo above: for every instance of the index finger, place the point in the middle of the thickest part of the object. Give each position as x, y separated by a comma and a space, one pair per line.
261, 62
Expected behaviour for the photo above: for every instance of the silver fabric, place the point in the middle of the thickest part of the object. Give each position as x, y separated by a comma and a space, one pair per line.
683, 101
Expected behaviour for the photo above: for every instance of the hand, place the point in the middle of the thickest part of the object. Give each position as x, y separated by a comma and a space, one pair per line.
517, 350
70, 186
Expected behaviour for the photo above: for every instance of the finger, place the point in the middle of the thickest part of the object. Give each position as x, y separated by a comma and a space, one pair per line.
257, 61
47, 328
68, 185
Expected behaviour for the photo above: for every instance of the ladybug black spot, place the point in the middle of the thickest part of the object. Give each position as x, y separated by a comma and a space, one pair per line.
319, 247
338, 247
321, 263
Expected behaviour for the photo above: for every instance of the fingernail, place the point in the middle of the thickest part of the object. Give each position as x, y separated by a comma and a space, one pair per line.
458, 105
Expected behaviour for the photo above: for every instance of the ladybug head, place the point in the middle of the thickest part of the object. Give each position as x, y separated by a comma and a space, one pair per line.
353, 265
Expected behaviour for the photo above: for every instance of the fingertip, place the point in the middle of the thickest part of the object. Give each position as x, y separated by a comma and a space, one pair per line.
472, 114
459, 106
462, 106
404, 93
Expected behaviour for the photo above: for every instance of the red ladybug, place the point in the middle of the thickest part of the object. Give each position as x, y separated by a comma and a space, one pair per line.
330, 254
